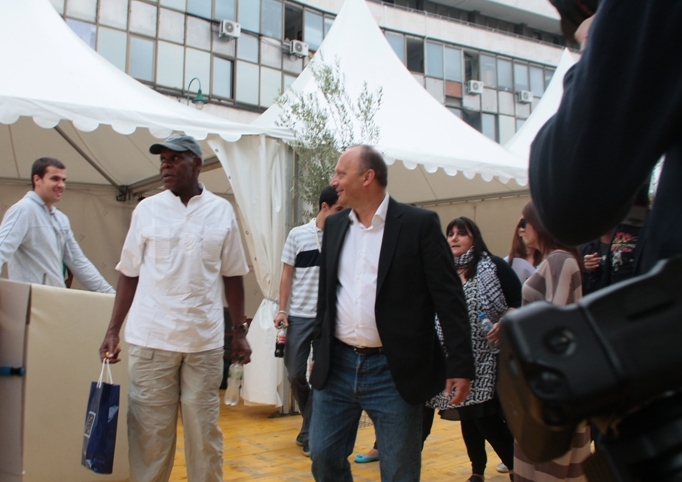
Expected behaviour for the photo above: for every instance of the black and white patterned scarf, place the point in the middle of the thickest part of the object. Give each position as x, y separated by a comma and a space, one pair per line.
483, 294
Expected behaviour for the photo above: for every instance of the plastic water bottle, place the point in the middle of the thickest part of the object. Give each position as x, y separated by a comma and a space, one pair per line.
234, 382
281, 340
486, 326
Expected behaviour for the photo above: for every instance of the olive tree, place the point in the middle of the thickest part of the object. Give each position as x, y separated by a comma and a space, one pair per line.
325, 123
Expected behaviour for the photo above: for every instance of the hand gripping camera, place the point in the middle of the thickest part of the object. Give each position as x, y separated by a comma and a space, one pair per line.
615, 359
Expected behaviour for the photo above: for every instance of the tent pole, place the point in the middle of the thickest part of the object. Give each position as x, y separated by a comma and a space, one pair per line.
122, 190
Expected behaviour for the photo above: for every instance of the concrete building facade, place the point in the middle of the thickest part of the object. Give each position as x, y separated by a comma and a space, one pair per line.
488, 61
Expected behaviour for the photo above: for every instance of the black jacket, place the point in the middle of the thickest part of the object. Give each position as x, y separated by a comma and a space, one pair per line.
416, 279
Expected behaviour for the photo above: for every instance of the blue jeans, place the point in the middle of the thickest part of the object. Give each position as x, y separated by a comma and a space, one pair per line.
356, 383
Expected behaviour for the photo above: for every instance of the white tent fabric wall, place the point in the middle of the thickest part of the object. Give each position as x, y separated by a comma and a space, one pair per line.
520, 143
59, 98
258, 182
414, 127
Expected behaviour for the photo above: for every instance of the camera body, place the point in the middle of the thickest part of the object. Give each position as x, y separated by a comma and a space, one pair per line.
614, 353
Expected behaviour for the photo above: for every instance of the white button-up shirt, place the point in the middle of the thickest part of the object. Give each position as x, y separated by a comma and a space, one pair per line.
358, 270
180, 254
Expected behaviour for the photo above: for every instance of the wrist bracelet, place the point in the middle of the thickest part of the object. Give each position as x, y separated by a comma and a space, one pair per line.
283, 312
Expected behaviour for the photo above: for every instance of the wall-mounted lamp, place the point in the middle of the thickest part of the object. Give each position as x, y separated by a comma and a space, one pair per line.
199, 100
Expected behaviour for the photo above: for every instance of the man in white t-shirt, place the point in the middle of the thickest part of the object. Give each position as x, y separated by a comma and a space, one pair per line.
298, 289
182, 248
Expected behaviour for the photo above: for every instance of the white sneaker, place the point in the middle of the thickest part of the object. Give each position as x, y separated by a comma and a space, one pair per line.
501, 468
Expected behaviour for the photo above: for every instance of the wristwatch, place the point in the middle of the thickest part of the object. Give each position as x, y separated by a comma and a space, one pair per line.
241, 327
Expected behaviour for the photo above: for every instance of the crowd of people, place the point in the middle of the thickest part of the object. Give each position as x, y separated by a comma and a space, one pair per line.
397, 350
396, 311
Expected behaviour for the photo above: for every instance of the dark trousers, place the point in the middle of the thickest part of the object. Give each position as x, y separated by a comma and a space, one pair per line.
494, 429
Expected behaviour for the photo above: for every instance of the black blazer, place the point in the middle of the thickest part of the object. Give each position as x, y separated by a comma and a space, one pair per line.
416, 280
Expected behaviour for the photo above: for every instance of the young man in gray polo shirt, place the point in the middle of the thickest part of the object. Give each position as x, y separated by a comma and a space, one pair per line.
36, 240
298, 290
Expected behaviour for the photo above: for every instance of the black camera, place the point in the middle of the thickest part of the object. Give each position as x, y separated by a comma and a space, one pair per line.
573, 13
615, 359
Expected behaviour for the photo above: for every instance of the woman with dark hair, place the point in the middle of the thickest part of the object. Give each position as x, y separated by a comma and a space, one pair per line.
522, 259
491, 288
557, 280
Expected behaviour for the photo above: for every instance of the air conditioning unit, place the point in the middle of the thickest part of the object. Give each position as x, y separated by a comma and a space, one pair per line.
228, 28
298, 48
474, 87
525, 96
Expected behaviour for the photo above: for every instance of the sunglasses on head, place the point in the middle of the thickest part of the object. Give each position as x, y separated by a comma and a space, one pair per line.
522, 224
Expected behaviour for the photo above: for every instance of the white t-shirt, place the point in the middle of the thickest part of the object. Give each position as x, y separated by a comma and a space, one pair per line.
180, 254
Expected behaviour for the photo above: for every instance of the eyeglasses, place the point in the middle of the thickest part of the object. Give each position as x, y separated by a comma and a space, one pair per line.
522, 224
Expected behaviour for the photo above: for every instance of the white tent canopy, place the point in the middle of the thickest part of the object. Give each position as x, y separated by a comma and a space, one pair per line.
520, 143
59, 98
414, 127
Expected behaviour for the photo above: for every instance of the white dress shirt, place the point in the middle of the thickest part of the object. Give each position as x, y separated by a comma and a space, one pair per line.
358, 269
180, 254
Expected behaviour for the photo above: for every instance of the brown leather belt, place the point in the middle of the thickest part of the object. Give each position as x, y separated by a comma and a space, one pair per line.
363, 350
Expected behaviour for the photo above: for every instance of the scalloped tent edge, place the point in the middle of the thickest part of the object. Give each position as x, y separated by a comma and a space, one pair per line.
60, 98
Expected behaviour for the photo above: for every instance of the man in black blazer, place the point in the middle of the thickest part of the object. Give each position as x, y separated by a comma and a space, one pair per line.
386, 270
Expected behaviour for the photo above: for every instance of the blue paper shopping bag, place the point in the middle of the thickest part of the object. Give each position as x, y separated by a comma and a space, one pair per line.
101, 420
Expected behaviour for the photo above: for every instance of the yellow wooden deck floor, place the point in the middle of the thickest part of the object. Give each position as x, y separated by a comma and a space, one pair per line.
258, 447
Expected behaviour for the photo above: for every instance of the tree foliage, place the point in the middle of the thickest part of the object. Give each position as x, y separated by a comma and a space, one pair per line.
325, 123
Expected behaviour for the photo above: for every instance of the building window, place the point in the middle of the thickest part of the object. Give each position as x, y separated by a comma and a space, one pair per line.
473, 118
249, 15
113, 13
397, 43
293, 23
222, 77
488, 126
453, 64
507, 128
328, 21
521, 77
174, 4
200, 8
537, 81
113, 46
143, 18
82, 9
198, 64
488, 71
549, 73
415, 54
471, 66
170, 65
504, 75
270, 86
247, 48
271, 18
141, 61
225, 9
434, 60
86, 31
314, 28
247, 87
